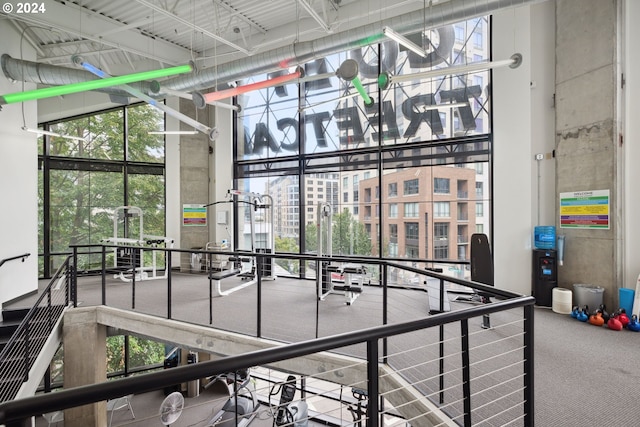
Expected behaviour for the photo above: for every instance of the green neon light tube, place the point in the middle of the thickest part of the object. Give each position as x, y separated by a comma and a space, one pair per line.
358, 85
49, 92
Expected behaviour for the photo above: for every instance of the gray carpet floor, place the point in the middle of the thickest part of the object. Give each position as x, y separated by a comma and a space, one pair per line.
584, 375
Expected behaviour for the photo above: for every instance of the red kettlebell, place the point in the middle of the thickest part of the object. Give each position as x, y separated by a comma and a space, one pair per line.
596, 319
623, 318
614, 324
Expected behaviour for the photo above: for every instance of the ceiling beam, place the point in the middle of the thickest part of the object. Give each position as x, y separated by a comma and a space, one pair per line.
82, 23
193, 26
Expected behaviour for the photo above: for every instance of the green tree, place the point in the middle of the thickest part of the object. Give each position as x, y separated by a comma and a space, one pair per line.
290, 245
142, 352
349, 236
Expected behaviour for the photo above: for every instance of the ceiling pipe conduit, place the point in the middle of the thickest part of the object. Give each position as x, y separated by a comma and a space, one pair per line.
440, 14
53, 75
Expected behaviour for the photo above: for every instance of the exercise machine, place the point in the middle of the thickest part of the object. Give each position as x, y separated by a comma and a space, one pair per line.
244, 266
346, 279
242, 406
129, 257
287, 412
359, 408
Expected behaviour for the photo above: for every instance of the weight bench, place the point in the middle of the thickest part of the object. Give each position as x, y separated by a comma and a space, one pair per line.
350, 290
216, 276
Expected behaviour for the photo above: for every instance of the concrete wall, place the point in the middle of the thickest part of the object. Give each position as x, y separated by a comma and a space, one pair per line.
587, 135
18, 180
631, 152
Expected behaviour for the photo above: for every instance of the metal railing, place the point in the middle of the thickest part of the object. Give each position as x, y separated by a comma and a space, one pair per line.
23, 256
19, 354
471, 374
373, 338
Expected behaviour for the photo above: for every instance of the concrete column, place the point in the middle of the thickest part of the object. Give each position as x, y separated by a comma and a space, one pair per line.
587, 135
194, 180
85, 362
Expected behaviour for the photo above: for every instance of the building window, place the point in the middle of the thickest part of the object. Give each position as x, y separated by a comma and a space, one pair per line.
345, 182
356, 196
411, 187
393, 233
479, 190
367, 175
393, 189
411, 231
441, 185
345, 197
411, 210
441, 210
393, 210
393, 250
367, 195
441, 240
479, 210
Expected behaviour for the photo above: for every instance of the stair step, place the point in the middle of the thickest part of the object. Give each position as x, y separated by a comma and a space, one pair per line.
11, 314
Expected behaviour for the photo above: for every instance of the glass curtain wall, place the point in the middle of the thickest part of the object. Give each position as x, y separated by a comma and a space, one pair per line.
404, 177
82, 181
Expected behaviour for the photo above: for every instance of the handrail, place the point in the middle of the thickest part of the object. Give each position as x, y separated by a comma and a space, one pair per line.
22, 340
23, 256
69, 398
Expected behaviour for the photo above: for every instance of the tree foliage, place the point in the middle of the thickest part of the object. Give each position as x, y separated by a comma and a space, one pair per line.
142, 352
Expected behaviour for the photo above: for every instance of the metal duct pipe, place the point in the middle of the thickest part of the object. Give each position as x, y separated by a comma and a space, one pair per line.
53, 75
440, 14
444, 13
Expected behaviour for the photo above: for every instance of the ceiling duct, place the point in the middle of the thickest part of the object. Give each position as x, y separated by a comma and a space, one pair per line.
440, 14
54, 75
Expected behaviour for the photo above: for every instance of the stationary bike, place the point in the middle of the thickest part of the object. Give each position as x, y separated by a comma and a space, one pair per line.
359, 409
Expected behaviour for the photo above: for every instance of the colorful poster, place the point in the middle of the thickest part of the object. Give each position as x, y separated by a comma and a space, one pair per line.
585, 209
194, 215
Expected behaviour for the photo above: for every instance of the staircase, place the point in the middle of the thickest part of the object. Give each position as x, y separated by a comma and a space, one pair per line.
29, 338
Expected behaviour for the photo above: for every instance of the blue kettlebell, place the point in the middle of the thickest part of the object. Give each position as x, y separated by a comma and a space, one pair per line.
633, 324
575, 312
583, 315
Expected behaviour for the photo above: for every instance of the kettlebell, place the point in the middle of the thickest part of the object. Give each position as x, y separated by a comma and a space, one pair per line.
583, 315
605, 314
623, 318
596, 319
633, 324
575, 311
614, 324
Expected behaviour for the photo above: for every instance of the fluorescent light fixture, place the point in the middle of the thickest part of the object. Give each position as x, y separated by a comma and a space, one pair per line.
384, 80
341, 98
404, 41
202, 99
173, 132
439, 106
49, 133
50, 92
153, 102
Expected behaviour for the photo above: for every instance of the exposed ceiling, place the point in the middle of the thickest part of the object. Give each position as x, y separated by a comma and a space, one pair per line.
226, 39
122, 36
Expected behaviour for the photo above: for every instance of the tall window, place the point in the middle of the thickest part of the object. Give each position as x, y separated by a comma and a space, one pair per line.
406, 154
117, 164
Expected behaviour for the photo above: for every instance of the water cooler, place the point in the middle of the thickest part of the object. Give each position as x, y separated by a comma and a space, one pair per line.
545, 275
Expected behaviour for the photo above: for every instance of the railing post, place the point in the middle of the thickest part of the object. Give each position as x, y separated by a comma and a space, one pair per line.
385, 304
74, 277
259, 262
372, 383
529, 419
466, 372
168, 267
104, 274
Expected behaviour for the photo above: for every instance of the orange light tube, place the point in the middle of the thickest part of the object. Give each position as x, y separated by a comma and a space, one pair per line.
202, 99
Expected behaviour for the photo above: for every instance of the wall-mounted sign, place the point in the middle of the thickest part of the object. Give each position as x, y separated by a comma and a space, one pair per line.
585, 209
194, 215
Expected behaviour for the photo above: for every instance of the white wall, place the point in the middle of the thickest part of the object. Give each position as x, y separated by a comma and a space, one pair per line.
19, 180
523, 125
631, 132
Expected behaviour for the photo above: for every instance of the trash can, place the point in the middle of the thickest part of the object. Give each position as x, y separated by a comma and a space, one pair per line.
589, 295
